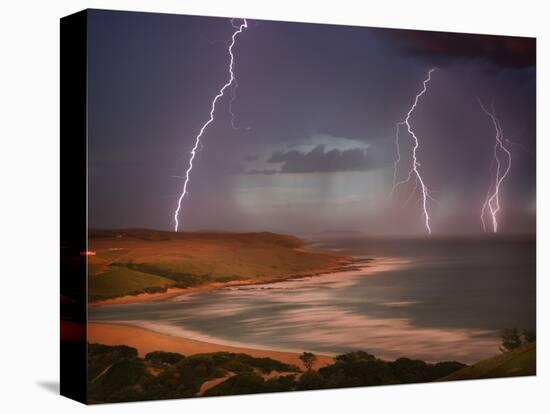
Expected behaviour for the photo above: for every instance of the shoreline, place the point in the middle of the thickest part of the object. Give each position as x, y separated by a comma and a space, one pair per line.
145, 341
345, 264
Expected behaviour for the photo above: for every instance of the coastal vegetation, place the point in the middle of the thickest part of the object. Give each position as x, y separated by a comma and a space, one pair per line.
513, 339
117, 373
518, 358
519, 362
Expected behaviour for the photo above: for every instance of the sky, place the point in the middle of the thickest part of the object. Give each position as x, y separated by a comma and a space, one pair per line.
316, 110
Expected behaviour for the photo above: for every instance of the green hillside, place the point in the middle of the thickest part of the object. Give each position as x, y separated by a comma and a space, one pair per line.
118, 281
128, 262
519, 362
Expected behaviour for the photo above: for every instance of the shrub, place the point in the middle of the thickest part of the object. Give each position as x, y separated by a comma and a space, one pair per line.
248, 383
511, 340
311, 380
161, 357
529, 336
102, 356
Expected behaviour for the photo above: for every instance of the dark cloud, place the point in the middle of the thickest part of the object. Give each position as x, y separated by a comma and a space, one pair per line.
319, 160
442, 48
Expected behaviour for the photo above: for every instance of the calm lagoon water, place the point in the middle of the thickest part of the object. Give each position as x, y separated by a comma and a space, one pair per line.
428, 299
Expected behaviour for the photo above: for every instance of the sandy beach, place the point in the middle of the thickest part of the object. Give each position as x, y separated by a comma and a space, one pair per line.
146, 341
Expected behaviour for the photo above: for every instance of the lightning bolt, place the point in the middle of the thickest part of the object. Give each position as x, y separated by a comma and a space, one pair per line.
491, 205
414, 172
239, 29
398, 159
233, 89
233, 97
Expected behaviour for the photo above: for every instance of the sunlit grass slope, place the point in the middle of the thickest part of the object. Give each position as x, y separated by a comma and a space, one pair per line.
134, 261
519, 362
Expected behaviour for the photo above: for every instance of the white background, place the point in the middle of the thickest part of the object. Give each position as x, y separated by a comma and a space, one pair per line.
29, 205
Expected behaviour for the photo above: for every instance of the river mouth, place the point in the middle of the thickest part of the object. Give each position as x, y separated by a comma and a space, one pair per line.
451, 304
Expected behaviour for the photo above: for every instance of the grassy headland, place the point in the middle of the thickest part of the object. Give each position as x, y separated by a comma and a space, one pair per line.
149, 262
515, 363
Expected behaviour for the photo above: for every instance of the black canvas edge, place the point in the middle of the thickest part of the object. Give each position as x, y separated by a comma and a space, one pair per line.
73, 206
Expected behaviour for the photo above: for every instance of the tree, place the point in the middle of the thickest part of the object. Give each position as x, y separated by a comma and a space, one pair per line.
311, 380
511, 339
308, 359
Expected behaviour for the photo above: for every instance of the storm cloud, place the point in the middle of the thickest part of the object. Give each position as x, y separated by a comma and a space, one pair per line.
321, 160
444, 48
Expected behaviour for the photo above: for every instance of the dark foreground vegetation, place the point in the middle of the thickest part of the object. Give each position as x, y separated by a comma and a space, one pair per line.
116, 373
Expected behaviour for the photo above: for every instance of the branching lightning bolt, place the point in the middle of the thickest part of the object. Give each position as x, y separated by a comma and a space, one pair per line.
239, 29
414, 172
491, 204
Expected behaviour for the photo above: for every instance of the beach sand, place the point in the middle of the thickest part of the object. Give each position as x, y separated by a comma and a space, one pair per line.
146, 341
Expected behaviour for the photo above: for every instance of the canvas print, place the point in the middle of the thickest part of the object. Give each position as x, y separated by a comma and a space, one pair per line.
281, 206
